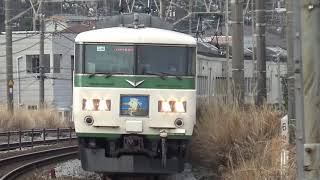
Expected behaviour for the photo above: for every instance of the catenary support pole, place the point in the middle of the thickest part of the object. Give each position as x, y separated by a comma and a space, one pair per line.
254, 62
237, 50
108, 7
261, 52
41, 63
290, 70
9, 65
310, 19
162, 9
227, 75
299, 113
190, 17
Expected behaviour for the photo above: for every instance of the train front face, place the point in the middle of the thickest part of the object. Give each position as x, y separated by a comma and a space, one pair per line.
134, 106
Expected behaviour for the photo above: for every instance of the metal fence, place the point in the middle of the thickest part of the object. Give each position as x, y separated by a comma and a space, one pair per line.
29, 138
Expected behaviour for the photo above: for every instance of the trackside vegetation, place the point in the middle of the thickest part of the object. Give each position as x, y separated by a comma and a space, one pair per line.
239, 143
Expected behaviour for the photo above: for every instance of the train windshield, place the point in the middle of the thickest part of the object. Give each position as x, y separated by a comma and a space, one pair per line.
135, 59
104, 58
171, 60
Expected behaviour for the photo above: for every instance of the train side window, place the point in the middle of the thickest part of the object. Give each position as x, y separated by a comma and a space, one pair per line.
79, 53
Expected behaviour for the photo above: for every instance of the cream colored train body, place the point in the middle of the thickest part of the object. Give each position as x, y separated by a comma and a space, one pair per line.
134, 100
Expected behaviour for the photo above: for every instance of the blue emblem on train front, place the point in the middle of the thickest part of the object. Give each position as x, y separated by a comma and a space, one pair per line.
134, 105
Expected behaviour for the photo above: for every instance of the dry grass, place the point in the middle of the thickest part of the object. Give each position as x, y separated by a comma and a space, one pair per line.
239, 144
28, 119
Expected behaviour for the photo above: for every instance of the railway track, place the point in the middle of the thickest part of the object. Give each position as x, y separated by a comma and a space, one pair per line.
15, 166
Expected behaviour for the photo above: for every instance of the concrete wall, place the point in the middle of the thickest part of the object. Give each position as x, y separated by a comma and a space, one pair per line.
28, 44
62, 89
213, 67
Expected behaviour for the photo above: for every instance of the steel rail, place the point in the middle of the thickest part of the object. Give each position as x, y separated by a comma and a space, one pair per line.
44, 158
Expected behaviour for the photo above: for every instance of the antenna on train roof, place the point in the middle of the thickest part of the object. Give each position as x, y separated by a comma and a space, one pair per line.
135, 23
135, 20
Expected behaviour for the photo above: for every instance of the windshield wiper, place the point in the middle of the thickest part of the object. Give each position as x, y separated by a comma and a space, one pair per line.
108, 74
94, 74
161, 75
171, 74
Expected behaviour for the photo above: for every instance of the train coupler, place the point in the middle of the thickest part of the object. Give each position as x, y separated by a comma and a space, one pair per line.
163, 135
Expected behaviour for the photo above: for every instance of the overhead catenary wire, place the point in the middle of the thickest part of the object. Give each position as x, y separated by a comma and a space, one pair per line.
67, 28
21, 13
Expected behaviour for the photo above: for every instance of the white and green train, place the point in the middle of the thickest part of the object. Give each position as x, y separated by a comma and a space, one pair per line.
134, 100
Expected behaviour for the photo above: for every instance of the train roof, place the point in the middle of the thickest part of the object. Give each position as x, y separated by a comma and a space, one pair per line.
135, 35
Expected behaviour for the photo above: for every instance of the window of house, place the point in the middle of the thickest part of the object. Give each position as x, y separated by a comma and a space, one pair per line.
32, 107
56, 63
268, 85
33, 63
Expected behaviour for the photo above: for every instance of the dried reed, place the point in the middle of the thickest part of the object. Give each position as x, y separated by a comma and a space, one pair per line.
27, 119
239, 143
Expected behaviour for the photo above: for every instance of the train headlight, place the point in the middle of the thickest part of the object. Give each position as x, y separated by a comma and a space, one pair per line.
164, 106
88, 105
96, 105
104, 105
172, 106
180, 107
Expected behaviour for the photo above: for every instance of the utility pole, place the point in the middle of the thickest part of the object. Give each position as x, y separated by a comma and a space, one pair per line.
227, 50
310, 18
290, 70
254, 62
41, 63
299, 99
8, 24
190, 17
34, 18
108, 7
162, 9
261, 52
237, 50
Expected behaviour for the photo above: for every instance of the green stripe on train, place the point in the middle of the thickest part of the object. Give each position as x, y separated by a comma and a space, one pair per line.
121, 82
117, 136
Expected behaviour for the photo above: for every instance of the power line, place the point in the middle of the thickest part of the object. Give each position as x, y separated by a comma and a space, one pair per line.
18, 78
16, 40
25, 48
14, 72
61, 44
20, 14
55, 78
67, 37
67, 28
32, 35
